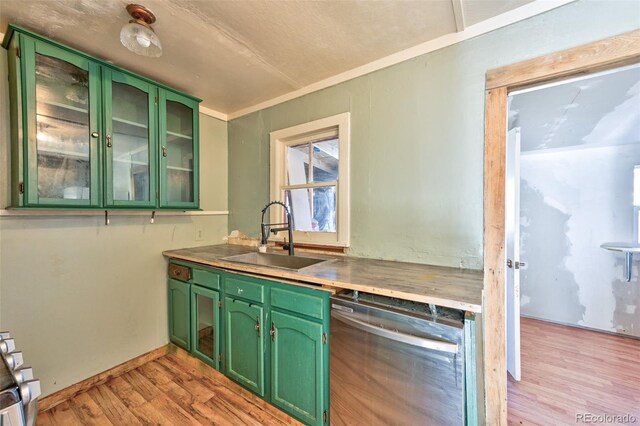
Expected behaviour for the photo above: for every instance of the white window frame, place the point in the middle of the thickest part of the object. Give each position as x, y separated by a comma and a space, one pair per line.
280, 140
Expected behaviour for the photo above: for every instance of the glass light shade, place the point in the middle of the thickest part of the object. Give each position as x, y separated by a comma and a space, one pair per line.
141, 40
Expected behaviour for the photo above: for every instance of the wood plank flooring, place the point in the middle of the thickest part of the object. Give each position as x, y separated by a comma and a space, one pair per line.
567, 371
175, 389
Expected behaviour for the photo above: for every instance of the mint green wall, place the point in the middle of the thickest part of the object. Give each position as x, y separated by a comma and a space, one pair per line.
81, 297
417, 138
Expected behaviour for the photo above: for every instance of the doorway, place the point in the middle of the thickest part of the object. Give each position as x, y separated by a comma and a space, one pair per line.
609, 53
572, 198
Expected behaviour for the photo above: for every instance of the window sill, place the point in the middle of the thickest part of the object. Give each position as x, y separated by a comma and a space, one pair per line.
322, 248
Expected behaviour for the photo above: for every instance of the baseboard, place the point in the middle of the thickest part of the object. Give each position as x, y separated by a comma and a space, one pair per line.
581, 327
62, 395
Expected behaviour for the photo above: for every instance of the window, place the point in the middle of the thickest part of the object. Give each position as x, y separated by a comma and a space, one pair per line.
310, 174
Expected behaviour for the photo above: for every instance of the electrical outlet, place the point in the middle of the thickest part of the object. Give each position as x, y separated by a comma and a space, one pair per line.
200, 234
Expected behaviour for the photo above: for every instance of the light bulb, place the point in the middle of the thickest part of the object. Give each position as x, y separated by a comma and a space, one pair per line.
143, 40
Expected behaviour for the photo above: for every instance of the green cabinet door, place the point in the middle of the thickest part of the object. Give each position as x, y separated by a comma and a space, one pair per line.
131, 140
179, 324
205, 319
61, 128
179, 162
299, 367
244, 343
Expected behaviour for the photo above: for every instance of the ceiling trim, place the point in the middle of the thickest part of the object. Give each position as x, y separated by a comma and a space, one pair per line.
213, 113
531, 9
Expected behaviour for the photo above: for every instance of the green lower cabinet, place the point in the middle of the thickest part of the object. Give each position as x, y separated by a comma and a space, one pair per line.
244, 343
205, 330
298, 367
179, 312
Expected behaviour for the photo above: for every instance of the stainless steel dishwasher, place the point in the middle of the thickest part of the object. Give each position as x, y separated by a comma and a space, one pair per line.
395, 362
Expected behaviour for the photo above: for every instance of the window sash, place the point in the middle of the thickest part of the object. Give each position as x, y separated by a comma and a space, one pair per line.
334, 127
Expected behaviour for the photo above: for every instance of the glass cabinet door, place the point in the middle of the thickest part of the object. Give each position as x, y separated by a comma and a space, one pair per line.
179, 151
62, 127
205, 315
130, 140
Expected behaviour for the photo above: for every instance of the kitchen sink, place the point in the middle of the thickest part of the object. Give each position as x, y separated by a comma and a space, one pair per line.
293, 263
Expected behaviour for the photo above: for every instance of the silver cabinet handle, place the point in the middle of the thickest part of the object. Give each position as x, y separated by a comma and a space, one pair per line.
109, 144
164, 151
436, 345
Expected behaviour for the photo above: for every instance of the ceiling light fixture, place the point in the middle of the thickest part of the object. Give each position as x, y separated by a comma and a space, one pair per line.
137, 35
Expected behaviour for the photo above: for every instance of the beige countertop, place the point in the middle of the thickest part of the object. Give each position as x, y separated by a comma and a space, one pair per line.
443, 286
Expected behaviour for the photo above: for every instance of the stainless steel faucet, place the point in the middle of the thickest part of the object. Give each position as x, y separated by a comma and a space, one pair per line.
288, 227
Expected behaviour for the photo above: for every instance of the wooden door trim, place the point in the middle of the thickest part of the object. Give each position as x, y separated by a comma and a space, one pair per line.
604, 54
612, 52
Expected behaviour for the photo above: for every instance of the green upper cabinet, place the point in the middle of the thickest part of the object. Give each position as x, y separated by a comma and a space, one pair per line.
245, 344
298, 367
179, 148
87, 134
131, 112
61, 127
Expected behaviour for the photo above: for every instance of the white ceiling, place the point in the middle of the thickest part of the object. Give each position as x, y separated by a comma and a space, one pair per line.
236, 54
601, 110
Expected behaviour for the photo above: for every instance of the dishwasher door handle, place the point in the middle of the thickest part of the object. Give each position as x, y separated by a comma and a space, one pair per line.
434, 344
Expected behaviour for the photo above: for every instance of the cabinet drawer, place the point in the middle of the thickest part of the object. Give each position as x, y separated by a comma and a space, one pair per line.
295, 301
179, 272
247, 290
206, 278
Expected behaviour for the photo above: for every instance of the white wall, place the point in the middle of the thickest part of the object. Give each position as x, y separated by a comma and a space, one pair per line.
572, 201
417, 138
81, 297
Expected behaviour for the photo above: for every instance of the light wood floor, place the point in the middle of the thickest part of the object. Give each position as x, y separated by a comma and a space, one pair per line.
172, 390
566, 371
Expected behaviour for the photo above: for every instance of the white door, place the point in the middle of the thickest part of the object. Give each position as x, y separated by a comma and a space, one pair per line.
512, 228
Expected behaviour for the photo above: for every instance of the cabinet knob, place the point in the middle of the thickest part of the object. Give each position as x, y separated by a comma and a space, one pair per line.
14, 360
95, 135
258, 325
109, 144
23, 374
30, 390
164, 151
7, 346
